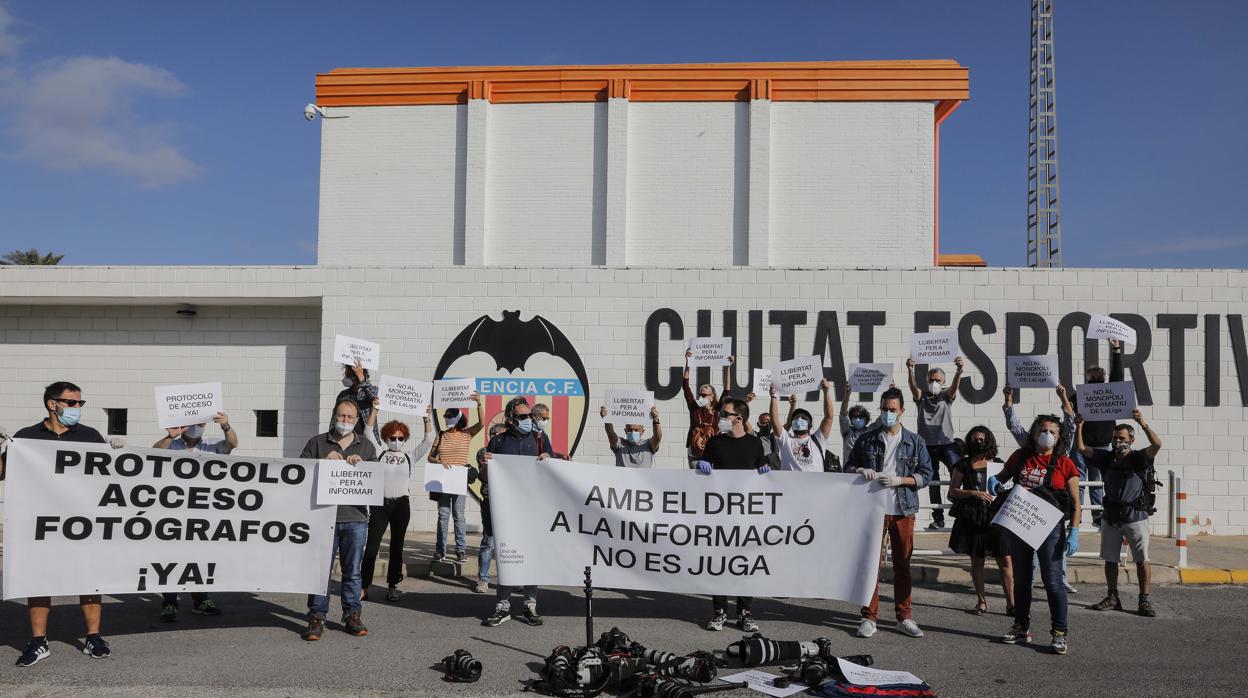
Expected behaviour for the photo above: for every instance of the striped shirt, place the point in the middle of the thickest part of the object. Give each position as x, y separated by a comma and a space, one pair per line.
452, 447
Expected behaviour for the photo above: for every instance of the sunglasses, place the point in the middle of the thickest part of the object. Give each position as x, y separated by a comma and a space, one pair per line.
70, 403
725, 413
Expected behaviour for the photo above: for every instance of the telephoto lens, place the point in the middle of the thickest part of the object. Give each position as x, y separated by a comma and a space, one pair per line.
756, 649
461, 667
698, 666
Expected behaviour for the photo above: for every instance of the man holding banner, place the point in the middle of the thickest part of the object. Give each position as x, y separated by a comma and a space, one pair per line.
936, 425
898, 458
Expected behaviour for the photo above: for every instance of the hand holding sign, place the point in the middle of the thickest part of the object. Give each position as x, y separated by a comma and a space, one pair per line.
797, 375
1102, 402
709, 351
184, 405
404, 395
1105, 327
454, 393
934, 347
626, 407
1031, 371
870, 378
1027, 516
762, 382
349, 350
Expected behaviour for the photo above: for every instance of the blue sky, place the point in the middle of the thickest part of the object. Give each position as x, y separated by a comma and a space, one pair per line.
171, 132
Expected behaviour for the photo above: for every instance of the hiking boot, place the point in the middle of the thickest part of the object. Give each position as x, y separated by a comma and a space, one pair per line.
355, 625
745, 621
501, 615
866, 628
530, 614
96, 648
1109, 603
717, 621
36, 651
1016, 635
316, 628
168, 613
207, 607
1146, 607
909, 627
482, 587
1058, 645
393, 595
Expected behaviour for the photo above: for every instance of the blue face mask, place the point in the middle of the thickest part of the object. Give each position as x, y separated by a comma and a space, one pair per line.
800, 424
634, 437
888, 419
524, 426
69, 416
857, 422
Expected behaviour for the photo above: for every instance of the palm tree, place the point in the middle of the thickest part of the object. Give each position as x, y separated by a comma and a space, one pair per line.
31, 256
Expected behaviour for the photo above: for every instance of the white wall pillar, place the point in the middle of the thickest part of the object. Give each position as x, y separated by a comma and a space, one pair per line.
760, 183
617, 182
474, 185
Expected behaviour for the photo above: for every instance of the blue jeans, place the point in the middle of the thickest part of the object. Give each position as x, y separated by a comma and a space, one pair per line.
1051, 554
447, 502
348, 547
947, 454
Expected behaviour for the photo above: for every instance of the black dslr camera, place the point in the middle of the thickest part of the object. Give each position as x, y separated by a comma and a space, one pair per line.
461, 667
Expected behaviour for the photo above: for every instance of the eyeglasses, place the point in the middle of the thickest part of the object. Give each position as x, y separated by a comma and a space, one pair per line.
71, 403
725, 413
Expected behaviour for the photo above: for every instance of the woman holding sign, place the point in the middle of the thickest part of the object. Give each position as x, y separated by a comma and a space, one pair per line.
450, 448
973, 533
1053, 478
702, 412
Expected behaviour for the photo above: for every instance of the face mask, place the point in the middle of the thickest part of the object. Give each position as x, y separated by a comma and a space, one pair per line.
1045, 440
395, 444
524, 425
195, 431
451, 422
702, 402
633, 437
858, 422
69, 416
888, 419
1121, 447
347, 382
725, 425
343, 428
935, 387
801, 425
541, 424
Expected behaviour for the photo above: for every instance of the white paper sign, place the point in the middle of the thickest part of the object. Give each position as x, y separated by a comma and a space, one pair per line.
1105, 327
454, 392
403, 395
869, 676
797, 375
939, 347
361, 484
628, 407
763, 682
710, 351
1027, 516
348, 350
870, 378
452, 480
992, 469
1031, 371
182, 405
552, 518
1101, 402
54, 523
762, 382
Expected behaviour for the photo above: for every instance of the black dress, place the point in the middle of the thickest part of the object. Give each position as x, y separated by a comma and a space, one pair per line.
969, 535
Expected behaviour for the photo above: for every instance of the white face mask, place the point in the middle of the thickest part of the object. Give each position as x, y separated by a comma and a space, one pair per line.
452, 422
194, 432
725, 425
395, 444
347, 382
935, 387
541, 424
1045, 440
343, 428
702, 402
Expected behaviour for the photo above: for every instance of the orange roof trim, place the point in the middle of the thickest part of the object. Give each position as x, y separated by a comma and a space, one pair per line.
961, 260
859, 81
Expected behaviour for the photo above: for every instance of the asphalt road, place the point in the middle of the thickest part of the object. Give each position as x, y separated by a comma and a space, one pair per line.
254, 649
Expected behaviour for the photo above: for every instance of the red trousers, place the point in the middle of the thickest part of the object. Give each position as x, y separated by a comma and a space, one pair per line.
900, 532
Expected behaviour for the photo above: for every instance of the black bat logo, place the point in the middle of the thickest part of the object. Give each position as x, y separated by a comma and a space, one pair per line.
511, 342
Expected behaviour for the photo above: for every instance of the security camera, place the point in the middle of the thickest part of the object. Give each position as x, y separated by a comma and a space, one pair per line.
310, 112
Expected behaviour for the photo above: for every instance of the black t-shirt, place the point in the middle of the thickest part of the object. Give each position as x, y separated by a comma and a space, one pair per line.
724, 452
77, 433
1124, 483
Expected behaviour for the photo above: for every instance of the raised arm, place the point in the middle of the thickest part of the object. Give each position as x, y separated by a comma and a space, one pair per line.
690, 401
171, 433
1068, 422
952, 393
1011, 418
788, 419
657, 436
774, 409
476, 428
728, 377
426, 443
1154, 441
1115, 361
613, 440
915, 393
825, 427
1080, 447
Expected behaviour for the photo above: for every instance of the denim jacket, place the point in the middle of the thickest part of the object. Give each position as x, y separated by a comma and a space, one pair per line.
912, 461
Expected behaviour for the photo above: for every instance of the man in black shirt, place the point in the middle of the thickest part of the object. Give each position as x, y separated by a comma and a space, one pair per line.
733, 449
63, 401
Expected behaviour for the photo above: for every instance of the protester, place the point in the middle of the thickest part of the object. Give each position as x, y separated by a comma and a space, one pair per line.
973, 533
1052, 477
702, 411
634, 450
733, 449
63, 402
191, 438
771, 445
898, 459
1128, 503
342, 442
450, 449
397, 457
936, 426
520, 439
1098, 434
854, 420
485, 553
801, 447
359, 390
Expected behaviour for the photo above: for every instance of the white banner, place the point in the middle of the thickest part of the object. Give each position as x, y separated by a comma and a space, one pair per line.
710, 351
870, 378
1027, 516
1101, 402
1031, 371
452, 480
628, 407
869, 676
404, 396
940, 347
87, 519
806, 535
454, 392
361, 484
183, 405
348, 350
797, 375
1105, 327
762, 383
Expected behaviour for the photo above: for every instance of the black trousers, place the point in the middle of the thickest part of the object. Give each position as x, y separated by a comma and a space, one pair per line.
744, 603
197, 597
395, 515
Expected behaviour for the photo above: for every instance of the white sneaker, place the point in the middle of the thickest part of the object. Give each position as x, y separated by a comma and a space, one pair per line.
1069, 589
866, 628
909, 627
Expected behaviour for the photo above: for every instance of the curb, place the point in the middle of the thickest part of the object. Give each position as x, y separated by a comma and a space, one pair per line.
1213, 576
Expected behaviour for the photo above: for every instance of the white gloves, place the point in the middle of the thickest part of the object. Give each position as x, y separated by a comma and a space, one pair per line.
890, 480
117, 442
867, 473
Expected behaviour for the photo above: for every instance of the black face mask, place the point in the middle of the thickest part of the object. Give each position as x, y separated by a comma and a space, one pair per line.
975, 448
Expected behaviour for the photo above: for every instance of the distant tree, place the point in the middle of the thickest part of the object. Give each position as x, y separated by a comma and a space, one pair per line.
31, 256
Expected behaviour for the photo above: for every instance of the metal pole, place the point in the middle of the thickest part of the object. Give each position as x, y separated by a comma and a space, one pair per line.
1180, 521
1170, 514
589, 607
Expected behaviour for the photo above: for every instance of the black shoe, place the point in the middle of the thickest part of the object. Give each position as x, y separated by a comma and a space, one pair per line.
1146, 607
168, 613
935, 525
36, 651
530, 615
461, 556
207, 607
96, 648
501, 615
1109, 603
439, 556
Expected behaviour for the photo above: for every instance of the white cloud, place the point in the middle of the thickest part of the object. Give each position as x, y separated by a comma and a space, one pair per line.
8, 40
